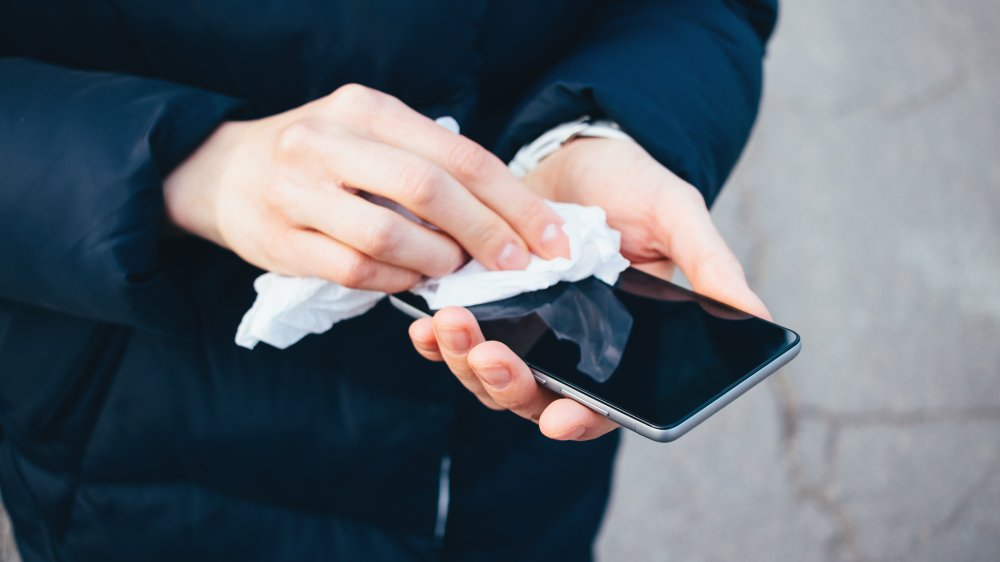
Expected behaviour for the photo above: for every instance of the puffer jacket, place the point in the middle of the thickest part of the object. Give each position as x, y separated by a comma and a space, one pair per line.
132, 428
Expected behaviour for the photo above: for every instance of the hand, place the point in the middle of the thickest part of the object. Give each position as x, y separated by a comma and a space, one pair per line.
283, 193
663, 221
499, 379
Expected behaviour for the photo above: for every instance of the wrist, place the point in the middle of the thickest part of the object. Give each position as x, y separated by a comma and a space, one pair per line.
190, 191
581, 160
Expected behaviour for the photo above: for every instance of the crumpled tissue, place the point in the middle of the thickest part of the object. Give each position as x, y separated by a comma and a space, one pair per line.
289, 308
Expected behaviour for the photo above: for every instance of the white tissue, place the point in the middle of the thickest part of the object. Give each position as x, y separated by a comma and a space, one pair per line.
594, 250
289, 308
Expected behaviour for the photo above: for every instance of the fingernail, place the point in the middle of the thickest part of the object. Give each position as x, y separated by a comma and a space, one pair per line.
497, 376
456, 339
555, 241
575, 434
513, 256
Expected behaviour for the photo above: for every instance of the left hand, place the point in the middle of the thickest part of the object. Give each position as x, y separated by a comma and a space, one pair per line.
663, 221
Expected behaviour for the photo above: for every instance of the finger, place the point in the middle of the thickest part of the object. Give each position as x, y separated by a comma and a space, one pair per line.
422, 335
457, 332
703, 255
312, 254
430, 193
376, 231
482, 173
664, 269
568, 420
390, 121
508, 380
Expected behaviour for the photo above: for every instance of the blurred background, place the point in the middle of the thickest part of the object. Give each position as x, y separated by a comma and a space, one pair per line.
866, 211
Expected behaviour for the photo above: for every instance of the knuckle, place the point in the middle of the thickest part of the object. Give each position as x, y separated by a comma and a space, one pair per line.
382, 237
294, 139
492, 234
514, 402
365, 108
454, 261
448, 260
535, 211
418, 183
468, 160
402, 282
355, 96
354, 270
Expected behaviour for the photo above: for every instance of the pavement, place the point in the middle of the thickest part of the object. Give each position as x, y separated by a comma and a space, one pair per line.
866, 211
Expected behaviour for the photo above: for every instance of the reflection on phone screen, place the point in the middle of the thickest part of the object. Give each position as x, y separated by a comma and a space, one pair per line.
648, 347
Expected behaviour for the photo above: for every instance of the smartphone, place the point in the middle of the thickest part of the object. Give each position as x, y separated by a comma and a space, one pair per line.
650, 355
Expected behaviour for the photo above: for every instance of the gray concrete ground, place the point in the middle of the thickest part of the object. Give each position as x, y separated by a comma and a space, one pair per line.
867, 213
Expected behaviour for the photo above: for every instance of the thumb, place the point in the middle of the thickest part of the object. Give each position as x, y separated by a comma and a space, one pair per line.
699, 250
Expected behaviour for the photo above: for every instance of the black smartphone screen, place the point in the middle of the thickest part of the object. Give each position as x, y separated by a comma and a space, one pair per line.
646, 346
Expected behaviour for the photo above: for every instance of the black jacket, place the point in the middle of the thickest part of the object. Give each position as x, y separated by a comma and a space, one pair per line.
131, 426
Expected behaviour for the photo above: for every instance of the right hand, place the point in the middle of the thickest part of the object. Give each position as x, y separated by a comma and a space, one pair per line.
281, 192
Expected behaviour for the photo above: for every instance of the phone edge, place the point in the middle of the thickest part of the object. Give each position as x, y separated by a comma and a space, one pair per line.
665, 435
630, 422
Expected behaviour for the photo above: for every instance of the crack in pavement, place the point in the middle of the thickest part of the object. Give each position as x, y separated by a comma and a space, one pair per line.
819, 493
925, 97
